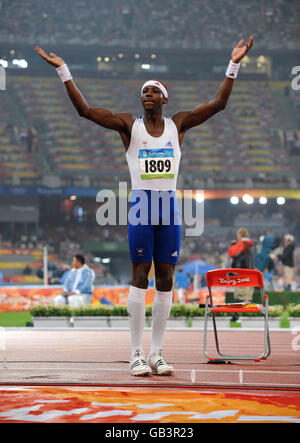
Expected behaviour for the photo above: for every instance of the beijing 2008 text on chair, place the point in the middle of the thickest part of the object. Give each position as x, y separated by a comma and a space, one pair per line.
235, 278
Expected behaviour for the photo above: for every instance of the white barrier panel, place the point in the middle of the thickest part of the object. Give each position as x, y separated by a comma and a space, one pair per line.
2, 79
3, 346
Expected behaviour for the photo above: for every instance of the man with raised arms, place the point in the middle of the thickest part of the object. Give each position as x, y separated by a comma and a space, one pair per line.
153, 151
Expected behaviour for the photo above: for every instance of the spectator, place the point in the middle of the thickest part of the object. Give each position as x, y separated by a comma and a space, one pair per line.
22, 136
78, 286
241, 251
181, 284
32, 140
265, 258
287, 259
296, 148
28, 270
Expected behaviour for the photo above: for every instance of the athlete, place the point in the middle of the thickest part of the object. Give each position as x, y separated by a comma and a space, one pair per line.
153, 152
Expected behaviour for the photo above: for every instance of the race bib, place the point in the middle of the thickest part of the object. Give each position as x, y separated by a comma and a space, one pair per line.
157, 163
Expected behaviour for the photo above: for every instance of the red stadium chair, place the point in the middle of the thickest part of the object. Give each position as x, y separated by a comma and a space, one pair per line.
235, 278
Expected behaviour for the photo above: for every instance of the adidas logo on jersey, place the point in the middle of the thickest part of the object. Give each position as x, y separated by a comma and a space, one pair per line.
169, 145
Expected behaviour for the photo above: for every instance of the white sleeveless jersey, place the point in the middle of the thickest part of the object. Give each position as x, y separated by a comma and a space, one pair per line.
154, 161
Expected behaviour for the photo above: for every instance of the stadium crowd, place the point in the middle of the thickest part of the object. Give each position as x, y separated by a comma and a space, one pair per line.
72, 147
140, 24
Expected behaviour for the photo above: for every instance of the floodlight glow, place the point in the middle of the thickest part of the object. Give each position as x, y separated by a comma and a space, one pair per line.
234, 200
280, 201
248, 199
3, 63
263, 200
200, 197
97, 259
23, 64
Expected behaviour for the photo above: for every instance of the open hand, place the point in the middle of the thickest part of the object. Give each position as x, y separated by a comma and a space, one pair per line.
52, 59
241, 50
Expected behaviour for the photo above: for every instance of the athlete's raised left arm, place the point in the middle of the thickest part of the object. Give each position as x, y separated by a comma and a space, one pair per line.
185, 120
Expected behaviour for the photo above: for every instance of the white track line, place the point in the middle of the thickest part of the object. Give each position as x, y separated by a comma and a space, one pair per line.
207, 383
11, 368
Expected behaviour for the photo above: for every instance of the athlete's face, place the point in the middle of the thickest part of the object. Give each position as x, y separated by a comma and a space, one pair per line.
152, 98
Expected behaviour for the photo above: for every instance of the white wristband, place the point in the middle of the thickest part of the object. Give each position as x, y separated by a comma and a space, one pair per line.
64, 73
232, 70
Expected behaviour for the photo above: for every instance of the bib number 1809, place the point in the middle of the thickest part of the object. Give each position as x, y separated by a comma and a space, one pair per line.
153, 166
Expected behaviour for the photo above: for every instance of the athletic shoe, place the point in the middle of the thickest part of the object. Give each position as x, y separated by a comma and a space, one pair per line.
138, 365
158, 365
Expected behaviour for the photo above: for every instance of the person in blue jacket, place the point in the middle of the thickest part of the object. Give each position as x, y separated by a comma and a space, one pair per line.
78, 287
181, 284
264, 259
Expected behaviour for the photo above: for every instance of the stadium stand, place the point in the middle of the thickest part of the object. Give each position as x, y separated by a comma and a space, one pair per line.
19, 266
296, 102
124, 23
17, 159
21, 258
291, 141
245, 138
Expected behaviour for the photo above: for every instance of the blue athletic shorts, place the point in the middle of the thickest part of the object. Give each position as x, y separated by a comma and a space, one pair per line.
154, 230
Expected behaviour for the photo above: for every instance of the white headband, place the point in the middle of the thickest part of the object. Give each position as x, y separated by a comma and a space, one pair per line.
158, 85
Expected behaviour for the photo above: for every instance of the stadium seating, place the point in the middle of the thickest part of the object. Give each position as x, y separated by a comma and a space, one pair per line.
193, 24
291, 142
295, 97
25, 266
15, 161
237, 140
13, 265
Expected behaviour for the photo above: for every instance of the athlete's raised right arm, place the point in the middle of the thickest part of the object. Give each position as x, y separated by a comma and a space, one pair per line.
101, 116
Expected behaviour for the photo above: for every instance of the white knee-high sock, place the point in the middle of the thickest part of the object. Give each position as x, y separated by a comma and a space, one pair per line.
136, 308
160, 313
